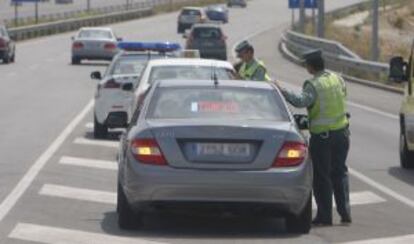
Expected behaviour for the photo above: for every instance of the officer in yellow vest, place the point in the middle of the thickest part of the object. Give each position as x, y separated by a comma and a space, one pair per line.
250, 68
324, 96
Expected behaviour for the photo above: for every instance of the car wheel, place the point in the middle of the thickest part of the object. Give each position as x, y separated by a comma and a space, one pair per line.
406, 156
76, 60
99, 130
301, 224
127, 218
6, 58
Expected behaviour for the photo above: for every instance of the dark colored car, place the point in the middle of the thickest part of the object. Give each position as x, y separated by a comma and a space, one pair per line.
226, 145
209, 39
218, 13
7, 46
240, 3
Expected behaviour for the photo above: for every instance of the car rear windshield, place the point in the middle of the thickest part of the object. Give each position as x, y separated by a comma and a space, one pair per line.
207, 33
129, 65
190, 12
188, 72
216, 103
95, 34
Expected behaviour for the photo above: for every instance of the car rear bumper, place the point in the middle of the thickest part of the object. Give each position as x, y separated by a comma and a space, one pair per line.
287, 190
213, 53
94, 55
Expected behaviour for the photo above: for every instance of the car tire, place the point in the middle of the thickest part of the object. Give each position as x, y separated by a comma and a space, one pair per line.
301, 224
76, 60
127, 218
6, 58
99, 130
13, 58
406, 156
180, 29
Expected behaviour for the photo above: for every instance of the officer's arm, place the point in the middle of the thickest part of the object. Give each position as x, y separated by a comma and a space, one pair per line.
302, 100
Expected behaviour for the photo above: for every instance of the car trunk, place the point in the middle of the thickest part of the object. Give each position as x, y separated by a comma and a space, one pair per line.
203, 145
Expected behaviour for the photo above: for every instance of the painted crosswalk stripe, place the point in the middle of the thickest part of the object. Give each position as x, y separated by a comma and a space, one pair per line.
90, 142
356, 198
91, 163
78, 194
53, 235
89, 125
407, 239
360, 198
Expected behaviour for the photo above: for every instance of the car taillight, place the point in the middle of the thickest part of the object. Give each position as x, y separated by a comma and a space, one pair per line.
2, 43
110, 46
292, 154
112, 84
77, 45
147, 151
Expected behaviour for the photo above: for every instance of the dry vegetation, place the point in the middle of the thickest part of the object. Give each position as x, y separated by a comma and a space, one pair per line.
396, 32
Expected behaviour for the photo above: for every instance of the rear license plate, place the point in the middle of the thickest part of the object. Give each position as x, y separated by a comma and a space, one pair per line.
93, 45
223, 149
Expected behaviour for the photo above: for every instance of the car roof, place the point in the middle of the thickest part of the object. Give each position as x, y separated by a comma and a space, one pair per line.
190, 61
96, 28
206, 25
222, 83
192, 8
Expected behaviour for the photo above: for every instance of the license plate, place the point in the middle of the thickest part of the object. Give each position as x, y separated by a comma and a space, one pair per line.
223, 149
93, 45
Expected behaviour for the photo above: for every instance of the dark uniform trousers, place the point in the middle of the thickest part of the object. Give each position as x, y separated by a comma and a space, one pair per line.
329, 152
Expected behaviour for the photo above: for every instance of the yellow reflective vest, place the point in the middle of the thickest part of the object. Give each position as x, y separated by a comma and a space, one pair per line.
248, 73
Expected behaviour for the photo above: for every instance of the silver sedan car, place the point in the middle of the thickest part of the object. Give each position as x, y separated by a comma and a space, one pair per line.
233, 145
94, 44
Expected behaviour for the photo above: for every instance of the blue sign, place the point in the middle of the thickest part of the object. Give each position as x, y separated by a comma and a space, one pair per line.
308, 3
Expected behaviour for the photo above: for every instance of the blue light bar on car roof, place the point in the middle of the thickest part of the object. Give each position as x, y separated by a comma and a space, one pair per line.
149, 46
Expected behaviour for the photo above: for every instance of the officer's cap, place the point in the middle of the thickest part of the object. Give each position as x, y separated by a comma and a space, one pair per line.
242, 46
308, 57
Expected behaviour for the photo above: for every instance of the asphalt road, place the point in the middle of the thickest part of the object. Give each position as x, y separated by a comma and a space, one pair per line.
50, 193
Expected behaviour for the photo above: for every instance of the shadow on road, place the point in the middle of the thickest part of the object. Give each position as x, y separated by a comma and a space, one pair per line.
171, 225
404, 175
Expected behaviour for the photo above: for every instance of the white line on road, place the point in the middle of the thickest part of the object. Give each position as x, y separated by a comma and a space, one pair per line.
31, 174
361, 198
78, 194
407, 239
373, 110
89, 125
102, 143
53, 235
382, 188
247, 38
91, 163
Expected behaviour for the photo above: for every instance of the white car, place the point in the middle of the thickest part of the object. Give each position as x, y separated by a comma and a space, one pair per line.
114, 97
183, 69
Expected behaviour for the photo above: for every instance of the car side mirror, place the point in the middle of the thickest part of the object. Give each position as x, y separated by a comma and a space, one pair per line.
302, 121
398, 69
96, 75
128, 87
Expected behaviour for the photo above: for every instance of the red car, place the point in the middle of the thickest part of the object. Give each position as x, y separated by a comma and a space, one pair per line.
7, 46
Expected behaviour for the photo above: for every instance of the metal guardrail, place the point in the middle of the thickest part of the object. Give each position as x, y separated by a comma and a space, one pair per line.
27, 32
338, 57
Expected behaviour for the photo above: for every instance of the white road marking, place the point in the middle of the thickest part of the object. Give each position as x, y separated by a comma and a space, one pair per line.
89, 125
102, 143
373, 110
360, 198
247, 38
11, 199
53, 235
78, 194
91, 163
382, 188
407, 239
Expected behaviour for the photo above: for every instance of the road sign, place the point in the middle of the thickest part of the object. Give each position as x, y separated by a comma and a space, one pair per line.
308, 3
